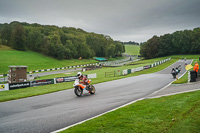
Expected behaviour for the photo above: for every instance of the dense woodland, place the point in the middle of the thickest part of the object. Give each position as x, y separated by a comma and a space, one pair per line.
58, 42
179, 42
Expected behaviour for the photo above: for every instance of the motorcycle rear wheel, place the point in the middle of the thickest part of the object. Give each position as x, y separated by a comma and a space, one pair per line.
78, 91
92, 89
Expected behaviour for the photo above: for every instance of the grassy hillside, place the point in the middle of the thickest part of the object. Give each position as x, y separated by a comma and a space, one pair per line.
132, 49
33, 60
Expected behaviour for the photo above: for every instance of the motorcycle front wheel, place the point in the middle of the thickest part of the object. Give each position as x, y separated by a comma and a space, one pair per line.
78, 91
92, 89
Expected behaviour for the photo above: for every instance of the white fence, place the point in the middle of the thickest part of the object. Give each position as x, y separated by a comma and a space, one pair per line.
128, 71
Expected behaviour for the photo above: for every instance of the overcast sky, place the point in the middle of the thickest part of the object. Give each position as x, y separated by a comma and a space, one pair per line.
123, 20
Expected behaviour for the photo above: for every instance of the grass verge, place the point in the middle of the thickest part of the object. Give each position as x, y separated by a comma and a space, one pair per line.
173, 114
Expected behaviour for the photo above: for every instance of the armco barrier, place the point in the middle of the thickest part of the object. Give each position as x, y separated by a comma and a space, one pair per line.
128, 71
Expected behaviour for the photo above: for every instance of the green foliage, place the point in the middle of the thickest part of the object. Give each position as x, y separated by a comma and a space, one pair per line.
60, 43
180, 42
132, 49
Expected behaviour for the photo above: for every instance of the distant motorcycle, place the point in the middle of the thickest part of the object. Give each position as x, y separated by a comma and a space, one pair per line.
78, 88
176, 71
174, 74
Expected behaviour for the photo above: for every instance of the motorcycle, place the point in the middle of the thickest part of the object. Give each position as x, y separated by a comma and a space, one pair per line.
78, 88
174, 73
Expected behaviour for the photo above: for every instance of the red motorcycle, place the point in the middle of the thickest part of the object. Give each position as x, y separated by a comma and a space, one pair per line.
79, 87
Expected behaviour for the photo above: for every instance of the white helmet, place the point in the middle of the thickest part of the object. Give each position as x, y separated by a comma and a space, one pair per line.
79, 74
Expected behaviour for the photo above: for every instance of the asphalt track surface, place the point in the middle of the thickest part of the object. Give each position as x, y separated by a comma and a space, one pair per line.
50, 112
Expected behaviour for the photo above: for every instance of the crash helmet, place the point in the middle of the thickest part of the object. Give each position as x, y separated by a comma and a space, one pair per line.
79, 74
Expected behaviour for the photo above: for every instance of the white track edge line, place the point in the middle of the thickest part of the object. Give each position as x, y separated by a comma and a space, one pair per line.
170, 94
97, 116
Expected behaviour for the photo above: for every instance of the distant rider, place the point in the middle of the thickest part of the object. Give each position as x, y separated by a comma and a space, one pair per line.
174, 72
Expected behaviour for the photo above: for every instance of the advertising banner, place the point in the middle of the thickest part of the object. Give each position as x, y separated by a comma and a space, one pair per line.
66, 79
129, 71
19, 85
139, 69
147, 67
42, 82
125, 72
94, 75
3, 87
132, 70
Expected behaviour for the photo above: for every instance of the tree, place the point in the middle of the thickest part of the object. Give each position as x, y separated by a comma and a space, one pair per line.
6, 34
35, 39
118, 48
110, 52
18, 38
149, 49
56, 49
165, 45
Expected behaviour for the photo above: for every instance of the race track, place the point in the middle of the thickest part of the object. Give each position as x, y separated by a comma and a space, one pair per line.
50, 112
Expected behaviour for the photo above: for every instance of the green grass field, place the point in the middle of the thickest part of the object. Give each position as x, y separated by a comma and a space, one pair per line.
132, 49
33, 60
172, 114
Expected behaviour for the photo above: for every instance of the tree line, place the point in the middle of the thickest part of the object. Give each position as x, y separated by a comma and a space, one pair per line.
179, 42
131, 43
58, 42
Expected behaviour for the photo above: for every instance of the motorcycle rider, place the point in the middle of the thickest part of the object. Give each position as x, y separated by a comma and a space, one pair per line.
173, 72
179, 67
84, 80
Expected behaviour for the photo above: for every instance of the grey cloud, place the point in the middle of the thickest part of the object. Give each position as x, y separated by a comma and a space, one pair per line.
125, 20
